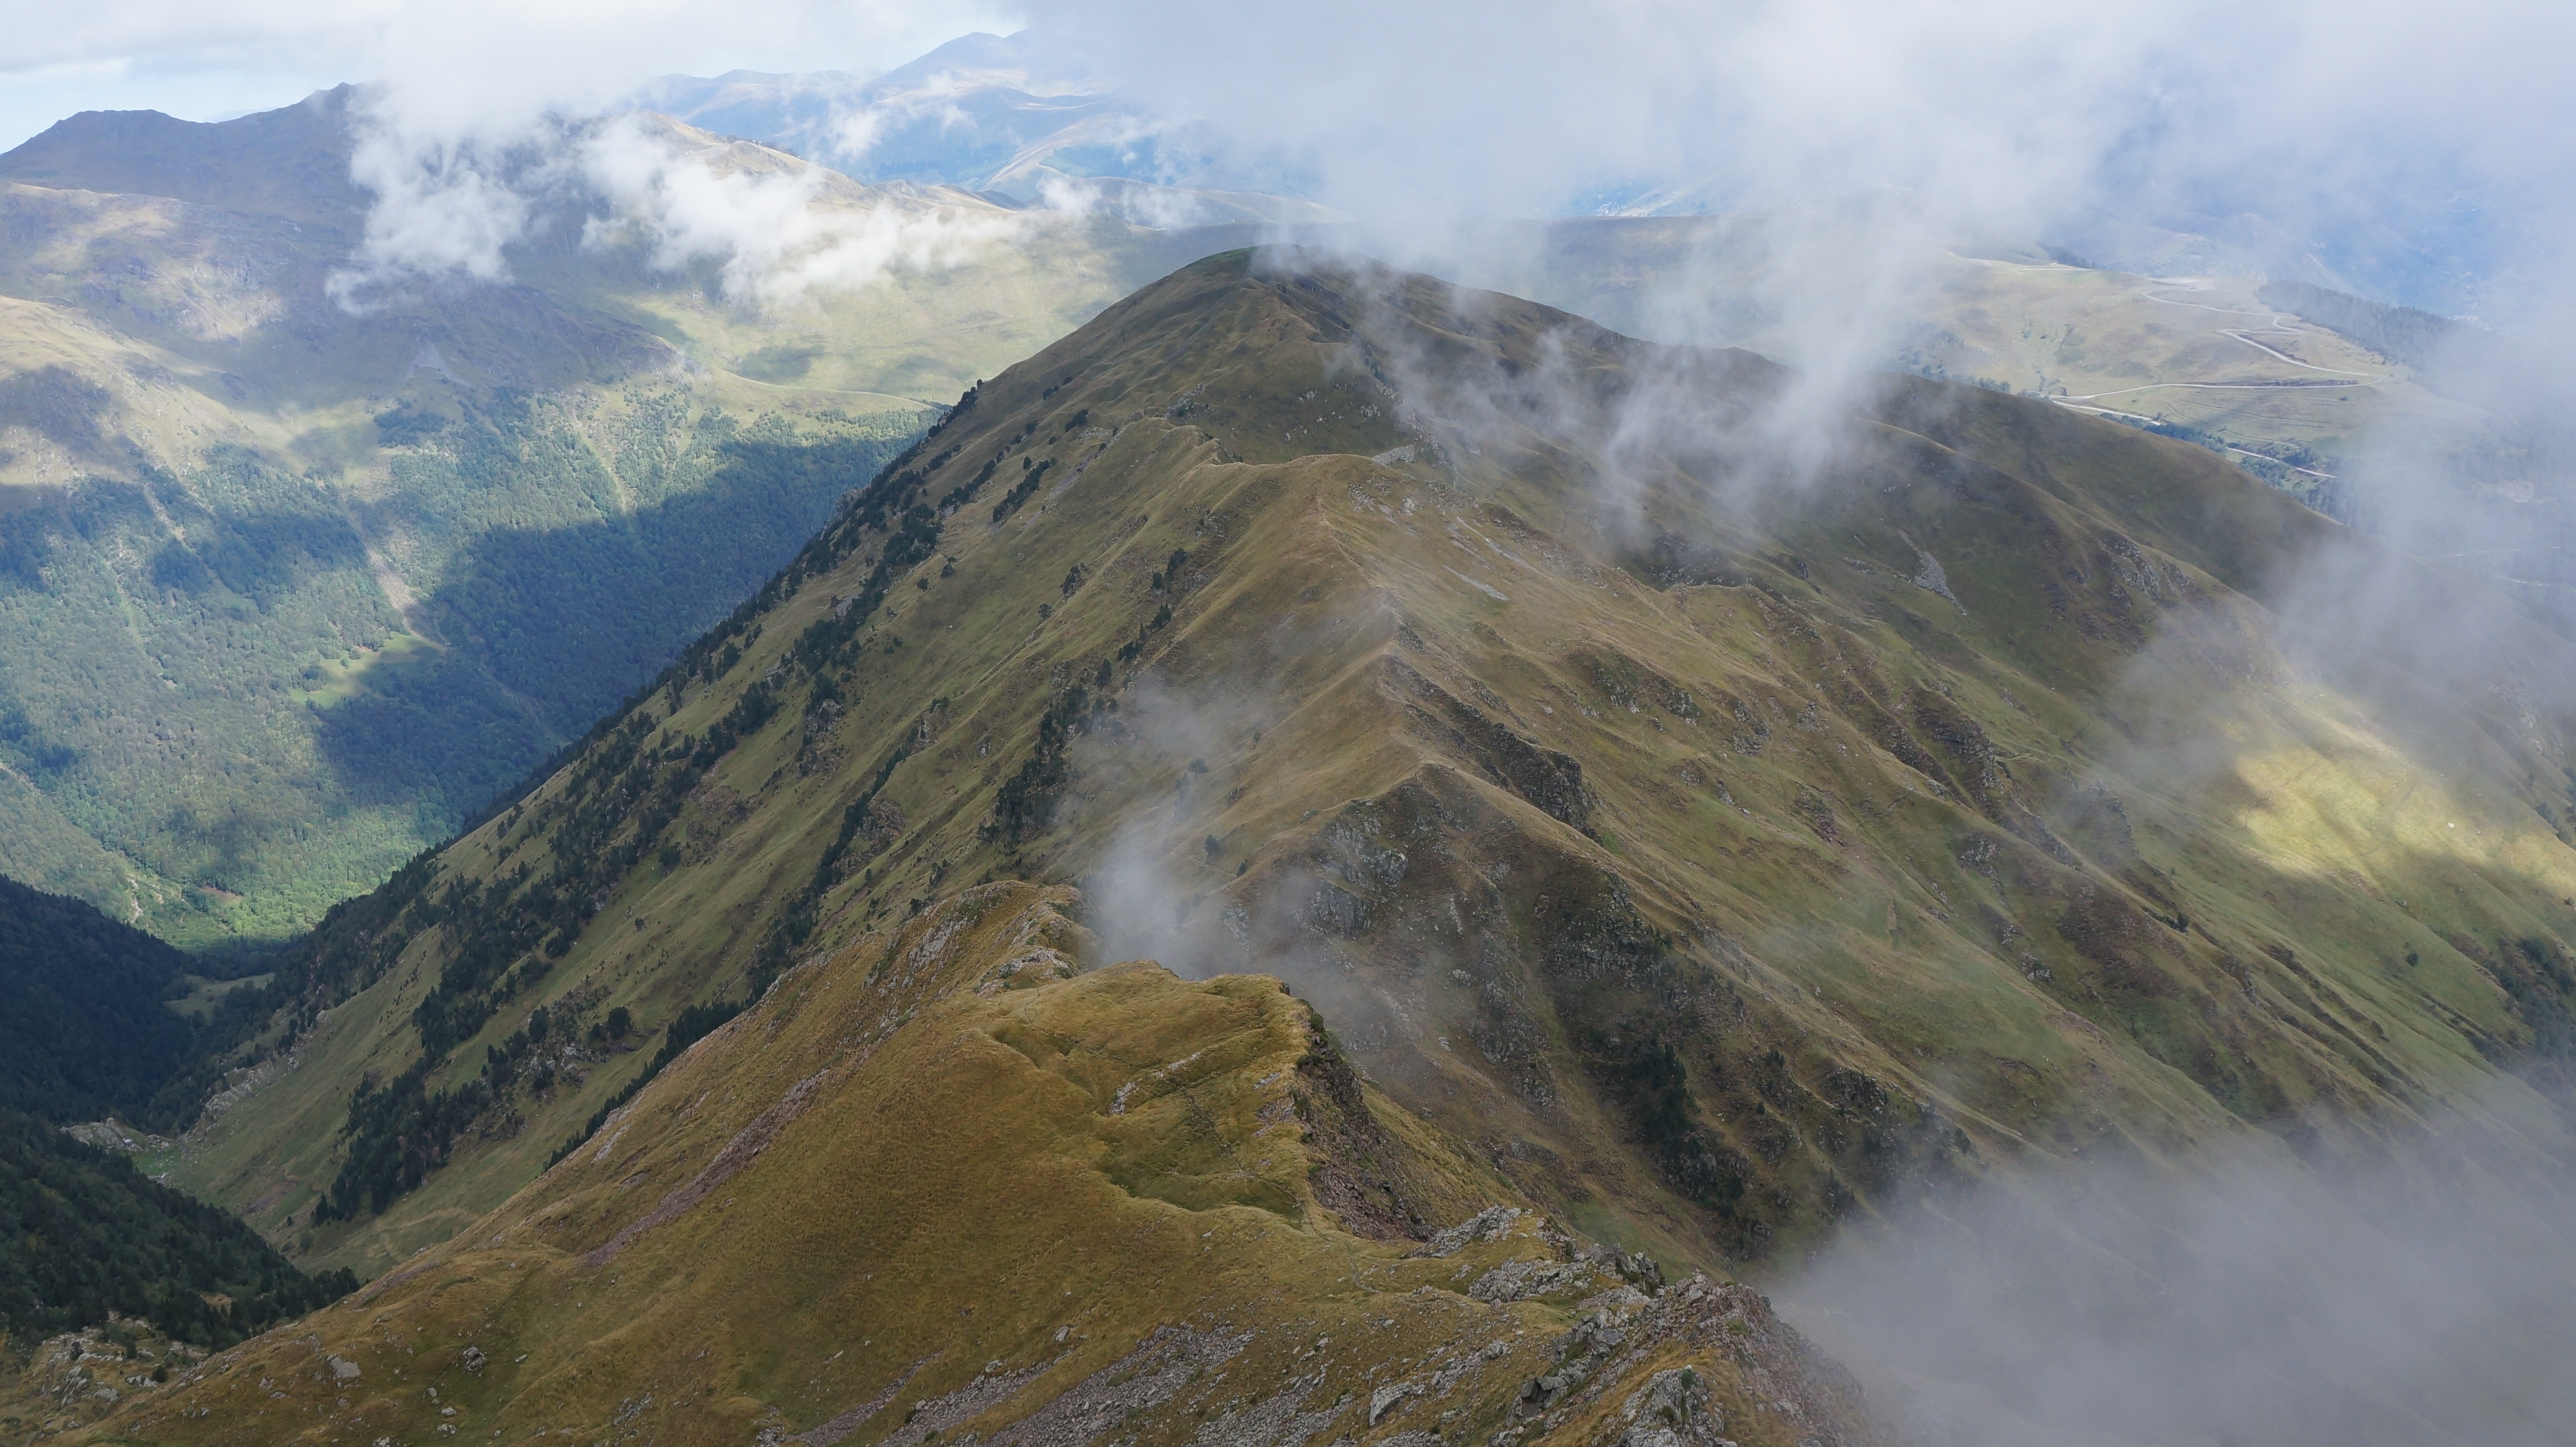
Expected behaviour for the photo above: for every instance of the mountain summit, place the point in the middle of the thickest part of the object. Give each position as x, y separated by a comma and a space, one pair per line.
292, 161
1714, 838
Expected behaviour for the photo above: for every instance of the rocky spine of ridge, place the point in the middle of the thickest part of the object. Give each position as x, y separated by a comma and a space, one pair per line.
1721, 857
950, 1184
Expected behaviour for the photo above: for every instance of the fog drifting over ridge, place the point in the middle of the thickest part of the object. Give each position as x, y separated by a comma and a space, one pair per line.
2424, 159
2426, 1295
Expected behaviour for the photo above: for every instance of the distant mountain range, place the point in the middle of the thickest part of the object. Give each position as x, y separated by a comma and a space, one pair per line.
1015, 117
288, 588
291, 587
1027, 115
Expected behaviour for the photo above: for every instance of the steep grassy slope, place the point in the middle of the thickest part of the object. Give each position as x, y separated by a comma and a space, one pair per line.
1720, 846
289, 588
947, 1182
385, 558
2442, 444
287, 591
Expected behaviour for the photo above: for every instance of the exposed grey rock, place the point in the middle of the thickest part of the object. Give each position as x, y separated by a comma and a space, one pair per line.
1671, 1401
850, 1421
1272, 1422
1447, 1378
989, 1389
1146, 1377
1615, 1304
1485, 1225
1929, 577
1384, 1399
1521, 1280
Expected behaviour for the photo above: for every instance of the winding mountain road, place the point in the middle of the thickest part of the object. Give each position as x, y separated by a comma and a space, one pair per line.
2275, 323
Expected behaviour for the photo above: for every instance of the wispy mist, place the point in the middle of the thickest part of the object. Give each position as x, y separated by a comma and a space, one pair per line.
474, 114
1993, 117
2422, 1293
450, 209
777, 232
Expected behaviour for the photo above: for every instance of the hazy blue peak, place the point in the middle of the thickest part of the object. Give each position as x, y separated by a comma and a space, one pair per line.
976, 112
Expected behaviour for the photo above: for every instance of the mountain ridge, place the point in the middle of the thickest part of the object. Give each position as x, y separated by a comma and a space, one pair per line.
1722, 855
293, 159
323, 503
1030, 1196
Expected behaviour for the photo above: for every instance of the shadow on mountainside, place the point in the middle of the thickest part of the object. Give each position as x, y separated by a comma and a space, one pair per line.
206, 680
65, 408
545, 630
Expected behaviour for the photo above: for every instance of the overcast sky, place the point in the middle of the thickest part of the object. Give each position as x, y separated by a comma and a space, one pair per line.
2388, 123
212, 59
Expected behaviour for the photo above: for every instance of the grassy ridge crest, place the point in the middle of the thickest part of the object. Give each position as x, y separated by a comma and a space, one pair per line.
1727, 871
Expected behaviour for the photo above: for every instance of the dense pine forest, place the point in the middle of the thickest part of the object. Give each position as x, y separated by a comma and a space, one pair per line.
83, 1235
2400, 333
91, 1032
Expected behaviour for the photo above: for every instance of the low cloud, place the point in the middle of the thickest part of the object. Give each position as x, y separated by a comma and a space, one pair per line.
855, 131
1155, 893
1853, 147
445, 206
1990, 116
780, 232
2415, 1289
449, 209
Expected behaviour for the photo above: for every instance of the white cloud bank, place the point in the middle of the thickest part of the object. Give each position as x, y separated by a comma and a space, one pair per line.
465, 133
779, 229
777, 233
